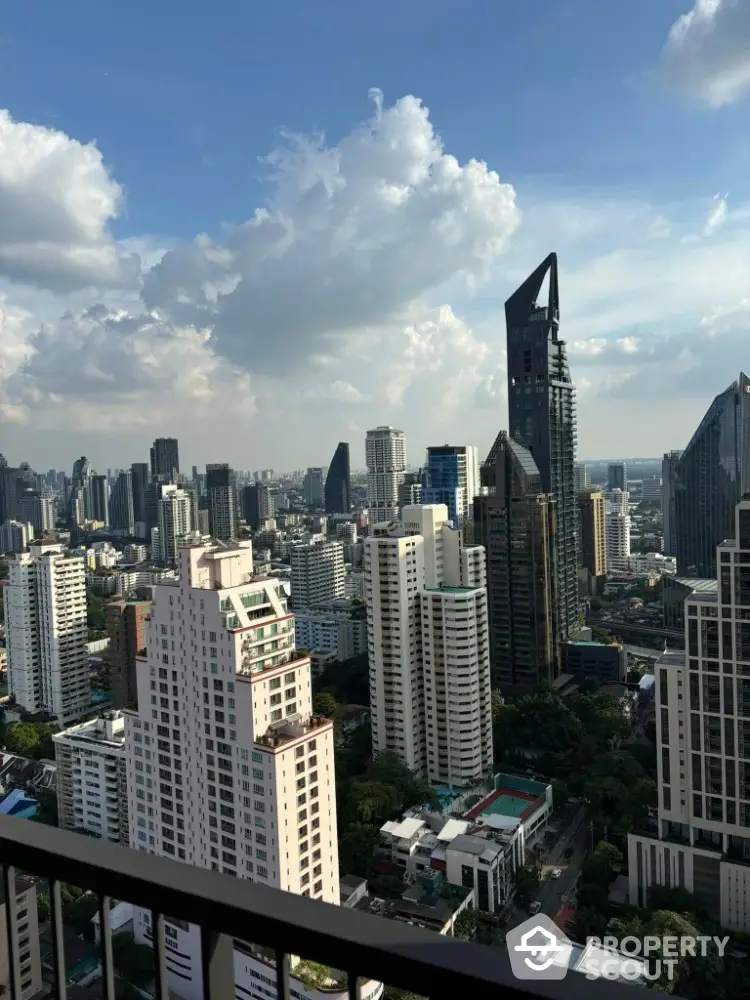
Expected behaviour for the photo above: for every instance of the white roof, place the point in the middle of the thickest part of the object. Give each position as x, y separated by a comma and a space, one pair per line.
404, 829
452, 829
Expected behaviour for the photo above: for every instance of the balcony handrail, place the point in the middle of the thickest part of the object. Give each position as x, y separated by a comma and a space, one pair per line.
358, 943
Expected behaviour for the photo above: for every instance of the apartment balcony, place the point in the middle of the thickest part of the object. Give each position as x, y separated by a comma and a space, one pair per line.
362, 946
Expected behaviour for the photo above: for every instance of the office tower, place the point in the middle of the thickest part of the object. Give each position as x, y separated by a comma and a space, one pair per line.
617, 501
593, 536
9, 477
15, 536
139, 479
246, 773
410, 491
126, 630
192, 492
385, 457
46, 632
429, 678
317, 573
617, 477
617, 533
30, 963
39, 510
121, 505
92, 793
451, 476
76, 507
257, 505
175, 523
515, 522
542, 417
709, 478
702, 840
222, 501
582, 477
98, 499
165, 458
313, 487
669, 465
338, 486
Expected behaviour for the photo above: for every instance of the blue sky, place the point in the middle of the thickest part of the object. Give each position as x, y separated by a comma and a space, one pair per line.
611, 136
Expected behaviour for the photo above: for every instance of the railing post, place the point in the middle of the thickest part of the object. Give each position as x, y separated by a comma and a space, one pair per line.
11, 927
217, 958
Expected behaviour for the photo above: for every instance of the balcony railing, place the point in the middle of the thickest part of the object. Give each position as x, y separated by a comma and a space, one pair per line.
363, 946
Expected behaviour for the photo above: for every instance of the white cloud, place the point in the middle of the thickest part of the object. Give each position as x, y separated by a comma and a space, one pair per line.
717, 216
336, 392
56, 202
707, 52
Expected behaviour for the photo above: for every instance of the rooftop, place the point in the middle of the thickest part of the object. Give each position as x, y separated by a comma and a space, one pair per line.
450, 590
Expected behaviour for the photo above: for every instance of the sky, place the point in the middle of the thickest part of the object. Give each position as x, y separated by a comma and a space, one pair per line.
266, 228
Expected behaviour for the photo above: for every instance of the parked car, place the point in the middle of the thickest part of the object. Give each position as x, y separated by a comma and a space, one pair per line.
535, 907
556, 873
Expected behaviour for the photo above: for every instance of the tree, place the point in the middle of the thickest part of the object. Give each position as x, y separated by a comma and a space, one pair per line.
78, 913
527, 882
325, 704
356, 848
560, 793
586, 923
465, 925
21, 738
134, 962
43, 907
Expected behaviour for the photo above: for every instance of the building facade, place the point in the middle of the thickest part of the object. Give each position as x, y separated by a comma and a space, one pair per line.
15, 536
617, 477
257, 505
30, 963
39, 510
175, 522
317, 573
227, 767
46, 632
701, 841
127, 622
593, 534
515, 523
542, 418
710, 478
385, 457
338, 488
451, 476
165, 458
121, 504
313, 486
92, 790
668, 487
221, 497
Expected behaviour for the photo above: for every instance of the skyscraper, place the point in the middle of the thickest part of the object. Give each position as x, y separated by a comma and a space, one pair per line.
313, 486
245, 780
338, 485
515, 522
139, 480
542, 418
451, 476
77, 513
121, 512
593, 537
257, 505
165, 458
221, 497
583, 477
702, 837
385, 457
617, 476
38, 509
175, 522
46, 632
317, 573
709, 479
127, 623
428, 647
98, 499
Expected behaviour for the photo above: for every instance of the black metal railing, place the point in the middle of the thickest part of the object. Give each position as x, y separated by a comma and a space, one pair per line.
363, 946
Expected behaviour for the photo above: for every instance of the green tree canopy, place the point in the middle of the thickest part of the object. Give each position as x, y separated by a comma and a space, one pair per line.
325, 704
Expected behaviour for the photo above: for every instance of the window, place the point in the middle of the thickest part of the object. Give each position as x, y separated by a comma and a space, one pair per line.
261, 855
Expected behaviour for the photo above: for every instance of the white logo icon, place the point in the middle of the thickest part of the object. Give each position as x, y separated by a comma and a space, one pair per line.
538, 949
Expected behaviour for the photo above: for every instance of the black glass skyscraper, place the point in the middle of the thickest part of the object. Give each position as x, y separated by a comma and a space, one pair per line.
541, 412
515, 522
165, 458
338, 487
139, 480
710, 478
221, 495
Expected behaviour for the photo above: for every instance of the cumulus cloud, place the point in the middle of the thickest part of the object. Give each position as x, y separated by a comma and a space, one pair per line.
707, 52
56, 202
336, 392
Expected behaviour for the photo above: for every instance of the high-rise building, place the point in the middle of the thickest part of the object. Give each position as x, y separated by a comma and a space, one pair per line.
451, 476
46, 632
92, 793
175, 522
410, 491
385, 457
30, 963
709, 478
669, 465
651, 490
617, 501
38, 509
583, 477
121, 504
617, 477
313, 486
593, 535
221, 497
15, 536
702, 839
542, 418
76, 512
257, 505
126, 630
515, 523
246, 773
139, 480
165, 458
9, 478
317, 573
338, 488
617, 534
428, 644
98, 499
